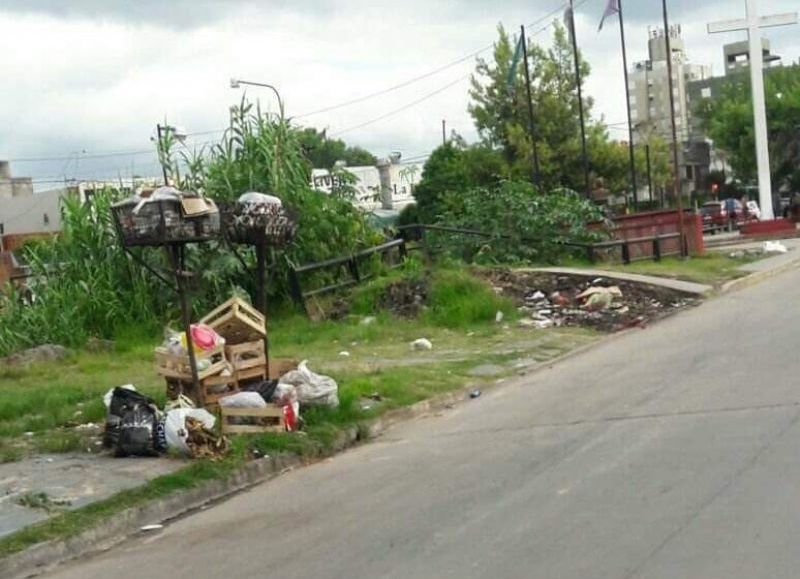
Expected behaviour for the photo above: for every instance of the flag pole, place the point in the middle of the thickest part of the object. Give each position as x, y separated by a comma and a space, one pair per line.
536, 175
580, 98
676, 169
628, 103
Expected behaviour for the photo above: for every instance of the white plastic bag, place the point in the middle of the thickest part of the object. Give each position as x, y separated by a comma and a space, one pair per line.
108, 395
243, 400
312, 388
175, 426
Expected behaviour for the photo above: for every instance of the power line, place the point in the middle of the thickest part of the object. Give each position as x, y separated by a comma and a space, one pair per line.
403, 108
131, 153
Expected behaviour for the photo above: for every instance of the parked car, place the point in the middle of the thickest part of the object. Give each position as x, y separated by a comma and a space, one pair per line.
715, 215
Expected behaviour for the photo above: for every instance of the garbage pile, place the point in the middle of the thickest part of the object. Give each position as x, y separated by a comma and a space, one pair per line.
166, 215
237, 392
550, 300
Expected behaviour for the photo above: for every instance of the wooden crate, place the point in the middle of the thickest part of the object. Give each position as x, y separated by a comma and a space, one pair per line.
211, 389
177, 366
269, 419
246, 355
237, 322
215, 387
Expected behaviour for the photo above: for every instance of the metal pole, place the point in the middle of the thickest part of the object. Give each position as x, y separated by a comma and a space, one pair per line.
261, 260
176, 253
628, 103
536, 176
649, 176
677, 176
444, 132
579, 83
162, 153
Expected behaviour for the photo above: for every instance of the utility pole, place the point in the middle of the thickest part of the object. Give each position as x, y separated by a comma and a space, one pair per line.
628, 102
536, 175
579, 83
444, 132
677, 176
649, 176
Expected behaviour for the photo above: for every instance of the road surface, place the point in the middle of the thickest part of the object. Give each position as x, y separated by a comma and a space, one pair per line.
670, 452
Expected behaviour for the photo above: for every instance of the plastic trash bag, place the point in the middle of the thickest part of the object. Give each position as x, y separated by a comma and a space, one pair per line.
312, 388
175, 431
132, 423
243, 400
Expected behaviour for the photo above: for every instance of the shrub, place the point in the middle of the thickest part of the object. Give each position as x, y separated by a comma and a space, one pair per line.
525, 225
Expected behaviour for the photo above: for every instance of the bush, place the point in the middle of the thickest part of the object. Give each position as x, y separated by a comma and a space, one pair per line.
525, 225
457, 299
84, 285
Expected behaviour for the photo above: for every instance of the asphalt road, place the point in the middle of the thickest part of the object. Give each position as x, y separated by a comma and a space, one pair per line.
670, 452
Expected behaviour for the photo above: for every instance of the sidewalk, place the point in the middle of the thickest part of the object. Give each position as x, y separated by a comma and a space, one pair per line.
34, 489
687, 287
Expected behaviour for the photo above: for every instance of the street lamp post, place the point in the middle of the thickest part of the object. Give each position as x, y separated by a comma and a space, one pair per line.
237, 82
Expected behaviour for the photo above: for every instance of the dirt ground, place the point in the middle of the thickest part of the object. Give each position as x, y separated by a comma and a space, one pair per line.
546, 299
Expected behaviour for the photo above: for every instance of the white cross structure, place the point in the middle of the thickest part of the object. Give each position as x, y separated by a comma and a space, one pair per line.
753, 25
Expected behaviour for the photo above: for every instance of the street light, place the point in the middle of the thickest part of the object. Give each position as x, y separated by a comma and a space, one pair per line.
237, 82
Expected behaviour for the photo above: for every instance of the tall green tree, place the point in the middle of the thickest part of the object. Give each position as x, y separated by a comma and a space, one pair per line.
500, 113
728, 120
323, 152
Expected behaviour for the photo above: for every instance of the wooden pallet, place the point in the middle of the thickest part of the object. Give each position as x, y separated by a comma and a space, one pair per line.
237, 321
246, 355
269, 419
177, 366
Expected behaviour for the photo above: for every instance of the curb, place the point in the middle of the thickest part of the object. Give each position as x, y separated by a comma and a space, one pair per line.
754, 278
41, 557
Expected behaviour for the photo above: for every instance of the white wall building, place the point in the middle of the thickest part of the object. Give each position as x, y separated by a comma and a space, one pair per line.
400, 180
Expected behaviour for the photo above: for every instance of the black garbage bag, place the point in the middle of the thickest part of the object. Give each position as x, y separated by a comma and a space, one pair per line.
133, 425
266, 388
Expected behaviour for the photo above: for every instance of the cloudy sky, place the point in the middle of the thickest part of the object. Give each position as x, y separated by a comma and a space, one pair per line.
85, 81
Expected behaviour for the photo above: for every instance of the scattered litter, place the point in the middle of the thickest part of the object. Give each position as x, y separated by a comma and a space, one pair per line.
344, 354
422, 344
498, 317
203, 442
368, 320
176, 431
312, 388
147, 528
475, 394
774, 247
87, 426
599, 301
375, 396
613, 291
552, 300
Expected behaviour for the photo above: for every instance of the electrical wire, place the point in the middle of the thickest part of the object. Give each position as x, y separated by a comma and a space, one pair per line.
138, 152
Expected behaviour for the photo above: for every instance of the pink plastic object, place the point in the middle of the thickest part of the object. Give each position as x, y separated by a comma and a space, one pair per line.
204, 337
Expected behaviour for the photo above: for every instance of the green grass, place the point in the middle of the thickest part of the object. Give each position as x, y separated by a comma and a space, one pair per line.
47, 400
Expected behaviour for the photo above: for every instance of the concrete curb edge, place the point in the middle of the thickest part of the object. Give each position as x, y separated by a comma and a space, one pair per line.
754, 278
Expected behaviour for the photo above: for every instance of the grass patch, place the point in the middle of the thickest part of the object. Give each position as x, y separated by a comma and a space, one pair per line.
48, 399
714, 268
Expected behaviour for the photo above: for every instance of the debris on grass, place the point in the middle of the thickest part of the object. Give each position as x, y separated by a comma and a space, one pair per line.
547, 299
422, 344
